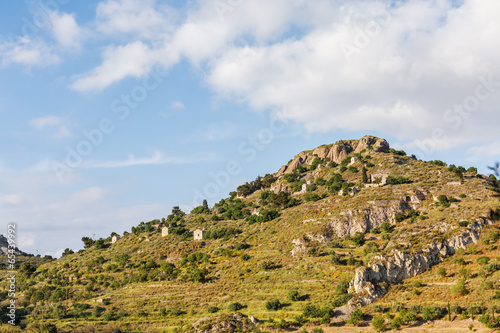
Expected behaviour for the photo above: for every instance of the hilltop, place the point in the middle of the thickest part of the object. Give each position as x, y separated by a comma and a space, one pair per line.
346, 234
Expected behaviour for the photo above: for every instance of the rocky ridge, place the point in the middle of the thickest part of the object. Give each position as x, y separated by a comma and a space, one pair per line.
398, 265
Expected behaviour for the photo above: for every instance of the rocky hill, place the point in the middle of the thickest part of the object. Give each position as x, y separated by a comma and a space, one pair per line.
333, 239
4, 247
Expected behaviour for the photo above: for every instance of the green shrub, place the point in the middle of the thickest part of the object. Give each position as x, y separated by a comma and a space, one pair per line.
235, 306
378, 323
459, 261
311, 197
341, 300
274, 305
431, 313
294, 296
356, 316
463, 223
317, 330
459, 288
441, 272
396, 323
358, 238
409, 317
483, 260
213, 309
397, 306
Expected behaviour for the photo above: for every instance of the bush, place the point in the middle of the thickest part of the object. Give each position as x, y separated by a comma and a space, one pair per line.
313, 311
441, 272
399, 216
431, 313
378, 323
245, 257
317, 330
409, 317
274, 305
390, 180
396, 323
386, 226
459, 288
311, 197
483, 260
397, 306
356, 316
358, 238
213, 309
341, 300
294, 296
235, 306
459, 261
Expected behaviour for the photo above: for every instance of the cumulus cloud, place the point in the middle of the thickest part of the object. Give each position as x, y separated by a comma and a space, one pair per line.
27, 51
66, 30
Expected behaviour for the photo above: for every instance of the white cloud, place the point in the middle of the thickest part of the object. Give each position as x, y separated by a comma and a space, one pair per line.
177, 105
57, 126
156, 159
66, 30
484, 151
141, 19
27, 51
134, 59
46, 121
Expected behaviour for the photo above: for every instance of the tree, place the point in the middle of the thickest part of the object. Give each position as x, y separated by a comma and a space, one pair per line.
87, 242
26, 269
67, 251
364, 175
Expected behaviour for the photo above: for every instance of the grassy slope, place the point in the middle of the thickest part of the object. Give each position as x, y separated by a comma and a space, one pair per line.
232, 279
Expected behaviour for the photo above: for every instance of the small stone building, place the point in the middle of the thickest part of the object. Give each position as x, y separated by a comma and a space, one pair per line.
114, 239
155, 226
164, 231
199, 234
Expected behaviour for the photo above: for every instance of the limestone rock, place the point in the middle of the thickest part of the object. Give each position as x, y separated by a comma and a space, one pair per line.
339, 151
364, 142
322, 152
399, 265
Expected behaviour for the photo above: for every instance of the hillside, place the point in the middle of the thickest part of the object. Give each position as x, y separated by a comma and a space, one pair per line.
342, 236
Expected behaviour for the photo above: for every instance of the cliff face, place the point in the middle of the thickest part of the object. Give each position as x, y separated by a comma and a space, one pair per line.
399, 265
367, 219
337, 152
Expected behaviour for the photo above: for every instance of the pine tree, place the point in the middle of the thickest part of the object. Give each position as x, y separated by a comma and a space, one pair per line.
365, 176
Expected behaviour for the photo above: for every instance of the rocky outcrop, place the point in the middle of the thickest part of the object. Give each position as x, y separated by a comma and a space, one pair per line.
336, 152
4, 247
399, 265
339, 151
322, 152
366, 219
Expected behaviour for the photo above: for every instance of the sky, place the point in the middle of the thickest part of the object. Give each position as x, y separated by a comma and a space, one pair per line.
113, 111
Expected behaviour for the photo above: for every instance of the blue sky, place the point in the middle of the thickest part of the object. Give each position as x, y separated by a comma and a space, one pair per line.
113, 111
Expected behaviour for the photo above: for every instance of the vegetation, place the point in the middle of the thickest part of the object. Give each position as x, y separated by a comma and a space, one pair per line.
245, 264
